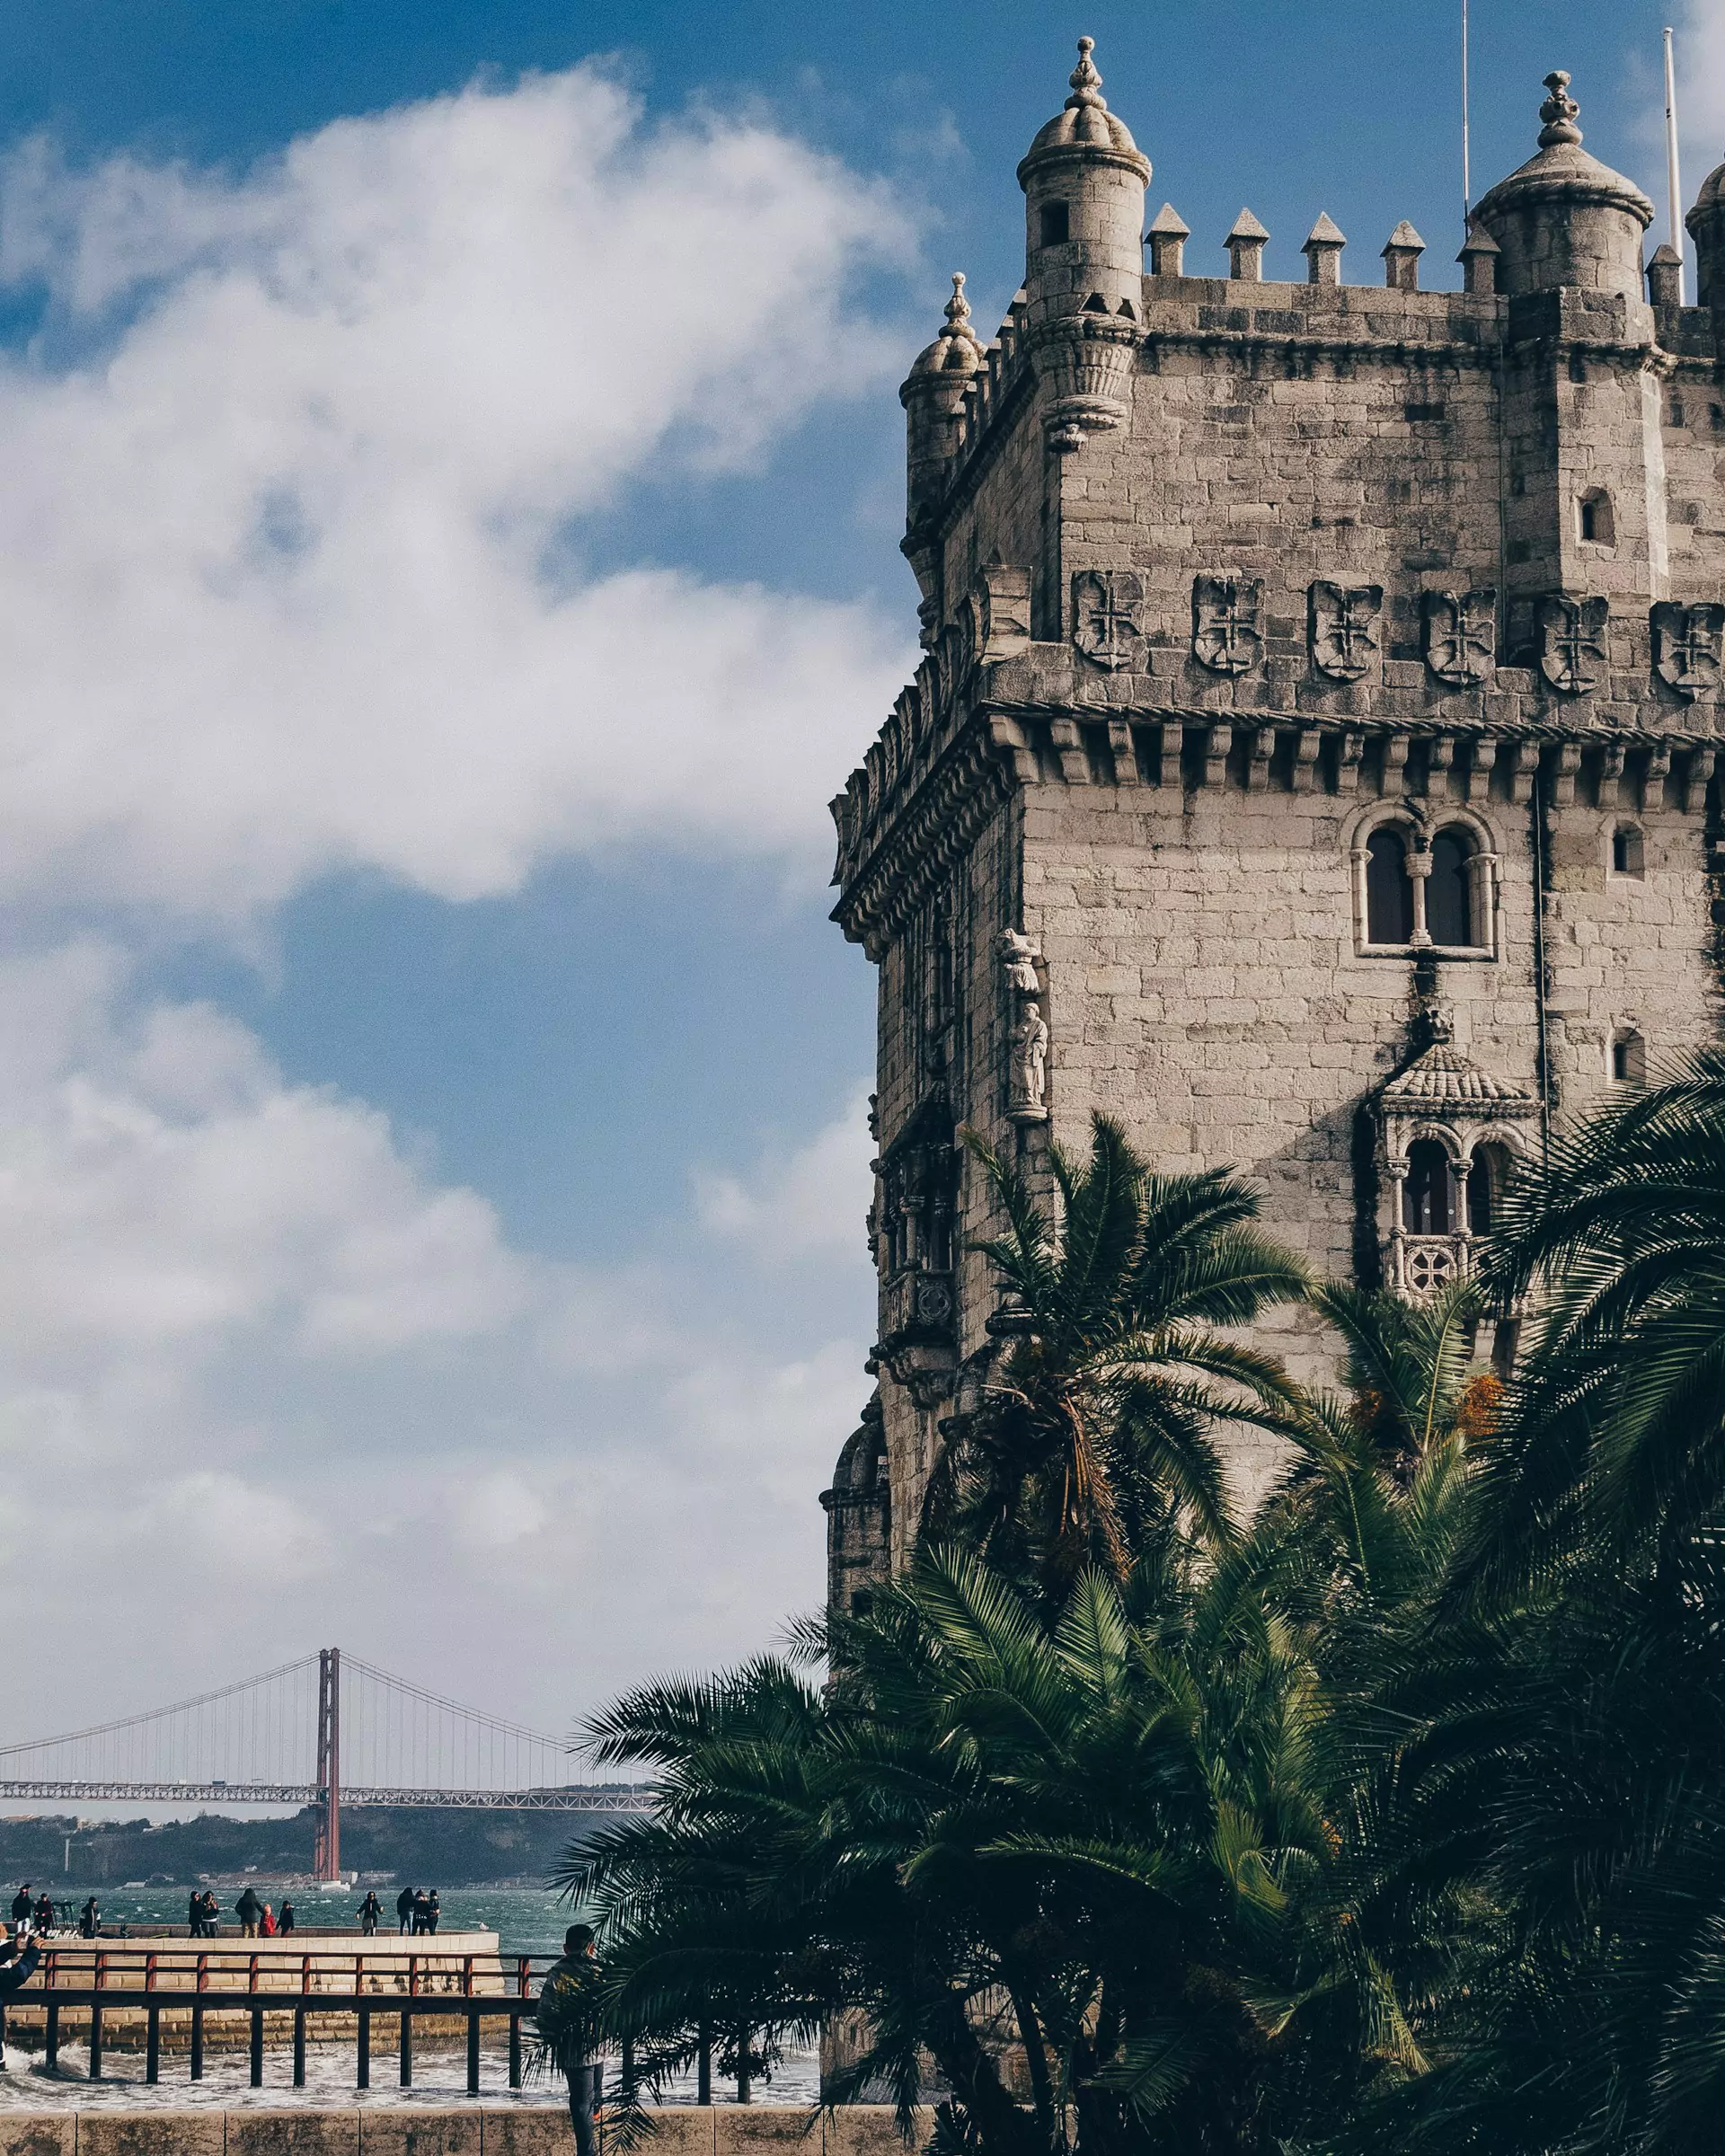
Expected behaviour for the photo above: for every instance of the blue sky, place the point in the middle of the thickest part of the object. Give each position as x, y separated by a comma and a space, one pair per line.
450, 558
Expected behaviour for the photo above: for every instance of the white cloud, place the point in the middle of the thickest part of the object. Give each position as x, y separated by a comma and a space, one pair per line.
296, 474
1701, 88
277, 540
256, 1359
812, 1201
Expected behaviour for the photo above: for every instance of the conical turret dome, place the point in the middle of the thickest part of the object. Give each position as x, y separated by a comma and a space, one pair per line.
1563, 217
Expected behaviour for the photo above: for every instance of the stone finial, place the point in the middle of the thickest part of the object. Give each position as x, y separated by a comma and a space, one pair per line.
1559, 112
1664, 277
1087, 83
1479, 260
1401, 253
1167, 238
1323, 250
958, 310
1246, 245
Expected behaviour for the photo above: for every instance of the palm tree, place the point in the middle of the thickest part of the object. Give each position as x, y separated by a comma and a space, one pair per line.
1093, 1441
1098, 1849
1557, 1729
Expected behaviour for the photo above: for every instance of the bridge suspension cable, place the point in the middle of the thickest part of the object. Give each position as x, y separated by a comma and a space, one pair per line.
327, 1729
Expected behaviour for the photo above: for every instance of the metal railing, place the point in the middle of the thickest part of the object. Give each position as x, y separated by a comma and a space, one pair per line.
104, 1983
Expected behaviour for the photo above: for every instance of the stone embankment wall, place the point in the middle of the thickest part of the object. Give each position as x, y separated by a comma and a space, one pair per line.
538, 2130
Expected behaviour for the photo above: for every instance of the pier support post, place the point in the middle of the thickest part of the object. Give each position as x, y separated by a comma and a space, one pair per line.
299, 2047
198, 2042
407, 2051
473, 2050
257, 2048
364, 2081
153, 2044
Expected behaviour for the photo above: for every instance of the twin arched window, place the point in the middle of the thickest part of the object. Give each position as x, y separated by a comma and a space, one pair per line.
1426, 897
1436, 1200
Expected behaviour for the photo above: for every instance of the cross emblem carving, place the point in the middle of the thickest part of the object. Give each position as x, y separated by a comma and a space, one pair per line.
1226, 637
1572, 641
1342, 627
1686, 647
1107, 625
1461, 634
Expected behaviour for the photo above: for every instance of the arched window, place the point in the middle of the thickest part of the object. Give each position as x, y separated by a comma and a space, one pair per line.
1426, 1207
1389, 889
1595, 518
1449, 895
1627, 858
1628, 1056
1486, 1178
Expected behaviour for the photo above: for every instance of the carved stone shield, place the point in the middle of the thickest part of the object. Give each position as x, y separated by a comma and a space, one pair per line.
1461, 634
1686, 645
1341, 627
1572, 642
1228, 632
1107, 617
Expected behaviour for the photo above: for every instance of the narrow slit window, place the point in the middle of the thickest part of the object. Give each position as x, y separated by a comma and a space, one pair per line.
1628, 1056
1626, 854
1426, 1208
1598, 525
1449, 907
1389, 890
1056, 224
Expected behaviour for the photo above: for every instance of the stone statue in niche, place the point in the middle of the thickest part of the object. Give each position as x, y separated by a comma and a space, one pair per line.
1342, 627
1572, 641
1030, 1066
1106, 626
1461, 634
1028, 1037
1019, 955
1686, 647
1227, 631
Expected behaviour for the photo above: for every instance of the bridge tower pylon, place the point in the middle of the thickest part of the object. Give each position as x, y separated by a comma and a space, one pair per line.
326, 1852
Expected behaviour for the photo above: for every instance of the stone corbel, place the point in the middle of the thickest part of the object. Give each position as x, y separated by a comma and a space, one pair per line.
1696, 778
1010, 741
1568, 763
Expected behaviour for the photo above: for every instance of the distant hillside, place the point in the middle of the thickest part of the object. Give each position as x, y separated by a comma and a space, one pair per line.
460, 1849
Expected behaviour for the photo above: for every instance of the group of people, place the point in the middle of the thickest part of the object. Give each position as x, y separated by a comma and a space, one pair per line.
29, 1916
258, 1920
416, 1910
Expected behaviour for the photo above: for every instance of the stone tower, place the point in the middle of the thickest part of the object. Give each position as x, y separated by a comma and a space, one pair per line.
1312, 764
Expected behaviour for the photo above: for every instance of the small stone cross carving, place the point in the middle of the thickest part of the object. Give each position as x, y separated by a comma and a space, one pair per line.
1227, 635
1686, 647
1106, 626
1461, 634
1342, 628
1572, 641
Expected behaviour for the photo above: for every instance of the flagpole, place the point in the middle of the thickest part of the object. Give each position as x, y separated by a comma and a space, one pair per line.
1673, 180
1467, 163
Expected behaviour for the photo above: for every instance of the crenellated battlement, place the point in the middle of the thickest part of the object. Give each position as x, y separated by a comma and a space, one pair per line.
1308, 665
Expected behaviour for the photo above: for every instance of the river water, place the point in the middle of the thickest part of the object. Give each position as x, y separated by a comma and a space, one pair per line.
526, 1920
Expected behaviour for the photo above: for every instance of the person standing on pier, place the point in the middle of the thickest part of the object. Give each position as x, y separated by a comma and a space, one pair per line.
248, 1909
90, 1920
23, 1908
404, 1910
433, 1911
44, 1913
565, 2021
285, 1921
370, 1910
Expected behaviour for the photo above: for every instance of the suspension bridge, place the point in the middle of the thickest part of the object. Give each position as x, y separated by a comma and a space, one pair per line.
368, 1737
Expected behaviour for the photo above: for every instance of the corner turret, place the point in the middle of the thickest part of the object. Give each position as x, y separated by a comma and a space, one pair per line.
933, 395
1706, 223
1083, 179
1564, 219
